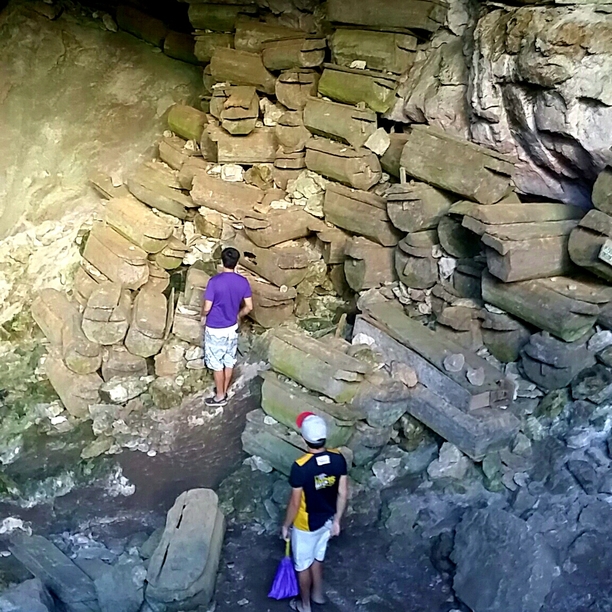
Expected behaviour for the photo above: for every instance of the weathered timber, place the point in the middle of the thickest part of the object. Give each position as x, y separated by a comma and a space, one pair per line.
241, 68
284, 403
390, 160
456, 239
416, 272
217, 17
116, 257
252, 34
340, 121
237, 107
172, 255
384, 51
589, 242
368, 264
350, 86
291, 134
333, 243
147, 331
271, 306
172, 151
290, 163
388, 14
118, 361
583, 288
236, 199
107, 315
192, 166
422, 239
159, 279
413, 207
180, 46
425, 350
157, 195
77, 391
294, 53
186, 121
207, 42
535, 302
316, 365
602, 191
483, 175
358, 168
141, 25
294, 87
258, 147
103, 184
359, 212
266, 229
138, 223
281, 265
514, 213
520, 231
517, 260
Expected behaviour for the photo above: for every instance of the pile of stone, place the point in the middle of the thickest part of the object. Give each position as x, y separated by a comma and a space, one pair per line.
173, 570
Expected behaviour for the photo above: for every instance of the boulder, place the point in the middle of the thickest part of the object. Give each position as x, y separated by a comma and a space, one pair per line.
307, 52
500, 563
241, 68
183, 569
484, 175
350, 86
384, 51
116, 257
340, 121
56, 571
294, 87
388, 14
358, 168
451, 464
29, 596
367, 264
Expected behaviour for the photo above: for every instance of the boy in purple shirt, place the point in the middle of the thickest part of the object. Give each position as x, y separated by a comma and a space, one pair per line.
227, 300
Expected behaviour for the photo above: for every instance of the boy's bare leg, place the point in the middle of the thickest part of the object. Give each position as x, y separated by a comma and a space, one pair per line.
305, 580
219, 377
227, 379
317, 582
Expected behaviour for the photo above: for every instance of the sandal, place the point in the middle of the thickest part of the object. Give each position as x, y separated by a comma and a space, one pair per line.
296, 604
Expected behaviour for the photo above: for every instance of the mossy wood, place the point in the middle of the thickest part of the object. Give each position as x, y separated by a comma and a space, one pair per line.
241, 68
416, 206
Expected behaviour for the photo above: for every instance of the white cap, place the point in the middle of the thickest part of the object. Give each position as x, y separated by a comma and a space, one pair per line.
313, 427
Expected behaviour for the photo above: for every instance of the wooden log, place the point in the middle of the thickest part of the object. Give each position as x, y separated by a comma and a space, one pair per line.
483, 175
350, 86
266, 229
416, 272
146, 335
118, 361
116, 257
520, 231
294, 87
456, 240
535, 302
590, 246
258, 147
515, 213
217, 17
291, 134
155, 194
186, 121
426, 350
368, 264
416, 206
271, 305
107, 315
292, 53
358, 168
388, 15
281, 265
384, 51
237, 107
252, 34
172, 151
516, 260
207, 42
284, 403
138, 223
180, 46
359, 212
190, 168
339, 121
390, 160
172, 255
332, 243
292, 162
236, 199
241, 68
602, 191
141, 25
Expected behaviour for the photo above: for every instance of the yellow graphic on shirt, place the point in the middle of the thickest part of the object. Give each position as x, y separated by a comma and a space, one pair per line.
323, 481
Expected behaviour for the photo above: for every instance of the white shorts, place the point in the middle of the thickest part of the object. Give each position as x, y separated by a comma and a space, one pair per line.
309, 546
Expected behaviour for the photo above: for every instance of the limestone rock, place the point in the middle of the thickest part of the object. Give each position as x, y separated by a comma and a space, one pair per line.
29, 596
515, 568
183, 569
122, 586
451, 463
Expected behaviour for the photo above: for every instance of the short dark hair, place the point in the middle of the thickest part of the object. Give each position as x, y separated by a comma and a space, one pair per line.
230, 257
317, 445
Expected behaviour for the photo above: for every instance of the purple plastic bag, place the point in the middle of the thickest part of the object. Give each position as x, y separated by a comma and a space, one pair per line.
285, 582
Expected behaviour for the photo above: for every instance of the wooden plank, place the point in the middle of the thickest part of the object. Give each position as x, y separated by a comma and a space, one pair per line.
528, 231
523, 213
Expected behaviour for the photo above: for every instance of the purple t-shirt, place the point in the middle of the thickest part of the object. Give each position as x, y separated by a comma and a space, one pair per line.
226, 292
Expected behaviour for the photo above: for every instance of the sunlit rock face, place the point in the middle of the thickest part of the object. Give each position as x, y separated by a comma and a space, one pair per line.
75, 97
541, 88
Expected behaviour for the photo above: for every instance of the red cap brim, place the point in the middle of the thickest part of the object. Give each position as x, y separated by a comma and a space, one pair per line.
301, 417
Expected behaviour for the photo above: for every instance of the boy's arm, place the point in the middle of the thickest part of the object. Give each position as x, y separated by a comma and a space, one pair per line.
206, 306
340, 504
247, 306
292, 510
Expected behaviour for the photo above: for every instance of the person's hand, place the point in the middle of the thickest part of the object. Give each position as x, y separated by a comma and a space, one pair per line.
285, 533
335, 529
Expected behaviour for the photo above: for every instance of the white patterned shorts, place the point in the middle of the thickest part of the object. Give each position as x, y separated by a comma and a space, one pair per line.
220, 349
309, 546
